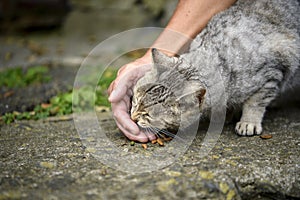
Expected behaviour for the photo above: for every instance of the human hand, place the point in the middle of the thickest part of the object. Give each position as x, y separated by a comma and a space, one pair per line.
121, 91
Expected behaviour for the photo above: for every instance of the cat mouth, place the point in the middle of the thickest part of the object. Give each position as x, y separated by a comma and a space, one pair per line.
160, 133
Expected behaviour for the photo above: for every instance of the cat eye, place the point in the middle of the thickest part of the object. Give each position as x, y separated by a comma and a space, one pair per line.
156, 89
145, 114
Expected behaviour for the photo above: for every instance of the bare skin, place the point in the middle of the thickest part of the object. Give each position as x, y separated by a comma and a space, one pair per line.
189, 18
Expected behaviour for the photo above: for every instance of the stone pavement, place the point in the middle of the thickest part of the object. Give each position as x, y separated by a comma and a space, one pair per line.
46, 159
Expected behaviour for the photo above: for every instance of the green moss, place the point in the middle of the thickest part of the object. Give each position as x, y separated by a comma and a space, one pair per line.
62, 103
17, 77
101, 92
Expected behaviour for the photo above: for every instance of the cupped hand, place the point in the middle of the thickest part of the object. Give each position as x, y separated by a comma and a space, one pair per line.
121, 91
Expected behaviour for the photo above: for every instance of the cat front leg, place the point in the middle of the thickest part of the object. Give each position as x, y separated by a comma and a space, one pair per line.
250, 123
254, 109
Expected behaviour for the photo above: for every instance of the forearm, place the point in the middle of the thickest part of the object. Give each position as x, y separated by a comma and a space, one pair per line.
189, 18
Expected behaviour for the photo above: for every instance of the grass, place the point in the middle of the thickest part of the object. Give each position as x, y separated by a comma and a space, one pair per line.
17, 77
57, 105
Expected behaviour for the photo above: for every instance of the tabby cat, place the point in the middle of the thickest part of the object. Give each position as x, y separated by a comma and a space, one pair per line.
254, 49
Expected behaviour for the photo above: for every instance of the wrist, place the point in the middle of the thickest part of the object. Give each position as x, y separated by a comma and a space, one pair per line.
148, 54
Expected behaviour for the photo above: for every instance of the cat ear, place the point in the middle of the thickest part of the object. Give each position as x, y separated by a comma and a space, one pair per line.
161, 61
160, 58
200, 95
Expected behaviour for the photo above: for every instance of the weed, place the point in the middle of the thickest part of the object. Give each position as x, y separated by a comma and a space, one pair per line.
17, 77
62, 103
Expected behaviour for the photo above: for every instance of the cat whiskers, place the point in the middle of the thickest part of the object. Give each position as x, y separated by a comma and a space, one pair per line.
161, 133
169, 134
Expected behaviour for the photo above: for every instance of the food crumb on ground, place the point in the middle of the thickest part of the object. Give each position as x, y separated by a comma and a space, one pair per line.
154, 141
266, 136
144, 146
160, 142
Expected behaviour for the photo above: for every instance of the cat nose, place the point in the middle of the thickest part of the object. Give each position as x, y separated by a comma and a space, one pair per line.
134, 117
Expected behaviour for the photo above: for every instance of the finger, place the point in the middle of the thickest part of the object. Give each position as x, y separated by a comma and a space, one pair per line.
121, 87
127, 96
121, 69
141, 137
111, 87
151, 136
125, 80
127, 102
126, 122
120, 112
130, 92
118, 77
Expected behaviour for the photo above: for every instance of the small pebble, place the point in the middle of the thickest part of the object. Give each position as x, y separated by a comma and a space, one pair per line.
132, 143
48, 165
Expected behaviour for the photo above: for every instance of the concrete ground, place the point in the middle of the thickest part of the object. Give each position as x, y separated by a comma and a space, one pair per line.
46, 159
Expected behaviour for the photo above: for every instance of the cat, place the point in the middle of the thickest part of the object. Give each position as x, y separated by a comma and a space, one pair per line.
254, 49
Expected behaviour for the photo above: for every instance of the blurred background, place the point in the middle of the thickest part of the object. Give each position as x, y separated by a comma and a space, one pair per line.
35, 30
43, 43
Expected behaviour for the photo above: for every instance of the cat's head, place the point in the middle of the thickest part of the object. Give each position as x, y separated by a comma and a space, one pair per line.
167, 96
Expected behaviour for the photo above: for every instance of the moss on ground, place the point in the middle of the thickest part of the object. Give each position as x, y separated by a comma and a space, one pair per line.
60, 104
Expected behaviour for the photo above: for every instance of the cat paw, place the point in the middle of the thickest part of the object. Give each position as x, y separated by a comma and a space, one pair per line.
248, 128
